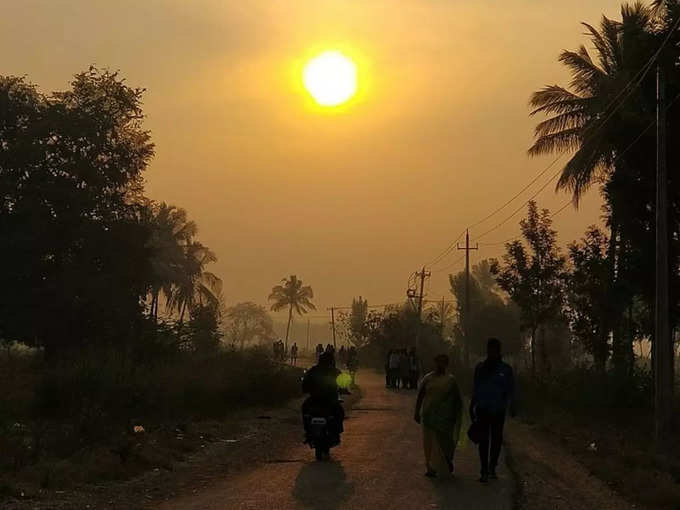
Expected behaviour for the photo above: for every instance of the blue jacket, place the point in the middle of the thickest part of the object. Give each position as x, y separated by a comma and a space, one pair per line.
494, 386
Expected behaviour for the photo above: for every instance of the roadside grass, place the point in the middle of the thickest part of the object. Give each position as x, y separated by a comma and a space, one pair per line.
609, 430
102, 417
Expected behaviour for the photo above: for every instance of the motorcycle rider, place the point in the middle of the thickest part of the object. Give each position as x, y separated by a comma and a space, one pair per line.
321, 382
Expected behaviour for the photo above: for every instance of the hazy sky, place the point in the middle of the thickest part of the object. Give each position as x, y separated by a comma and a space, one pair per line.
351, 202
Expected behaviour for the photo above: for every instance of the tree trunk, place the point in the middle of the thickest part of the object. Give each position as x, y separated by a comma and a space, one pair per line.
154, 305
545, 358
630, 353
290, 317
533, 353
181, 314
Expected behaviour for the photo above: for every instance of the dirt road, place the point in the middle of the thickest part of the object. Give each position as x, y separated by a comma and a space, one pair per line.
379, 465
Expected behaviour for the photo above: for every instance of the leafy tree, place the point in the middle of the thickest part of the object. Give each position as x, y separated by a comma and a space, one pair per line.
358, 321
204, 328
589, 295
397, 328
248, 323
490, 315
441, 314
603, 117
533, 277
71, 166
292, 295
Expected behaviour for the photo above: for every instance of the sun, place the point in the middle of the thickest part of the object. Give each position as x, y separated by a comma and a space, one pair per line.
330, 78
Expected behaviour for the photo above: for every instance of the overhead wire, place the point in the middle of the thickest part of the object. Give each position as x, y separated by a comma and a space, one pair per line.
632, 84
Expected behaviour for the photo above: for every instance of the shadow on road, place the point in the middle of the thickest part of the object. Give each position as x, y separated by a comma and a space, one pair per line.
322, 485
463, 494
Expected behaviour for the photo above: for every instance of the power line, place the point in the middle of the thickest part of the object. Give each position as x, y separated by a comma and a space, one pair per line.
569, 202
450, 266
552, 215
498, 225
632, 84
447, 250
541, 173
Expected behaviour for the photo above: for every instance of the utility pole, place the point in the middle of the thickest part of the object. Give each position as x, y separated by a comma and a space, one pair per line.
332, 309
422, 274
307, 335
663, 342
411, 294
441, 318
466, 307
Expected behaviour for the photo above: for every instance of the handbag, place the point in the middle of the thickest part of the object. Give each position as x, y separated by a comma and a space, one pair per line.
475, 432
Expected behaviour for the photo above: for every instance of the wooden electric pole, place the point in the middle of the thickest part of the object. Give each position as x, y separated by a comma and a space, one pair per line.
663, 342
411, 294
466, 306
307, 335
422, 274
332, 309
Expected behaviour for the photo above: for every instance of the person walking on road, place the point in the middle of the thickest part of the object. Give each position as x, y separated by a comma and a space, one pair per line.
404, 373
393, 362
413, 369
439, 408
294, 354
493, 393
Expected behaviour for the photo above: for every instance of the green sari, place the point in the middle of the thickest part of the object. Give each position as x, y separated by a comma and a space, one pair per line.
441, 417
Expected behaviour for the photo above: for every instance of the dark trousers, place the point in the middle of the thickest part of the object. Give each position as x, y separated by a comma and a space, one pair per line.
413, 379
492, 425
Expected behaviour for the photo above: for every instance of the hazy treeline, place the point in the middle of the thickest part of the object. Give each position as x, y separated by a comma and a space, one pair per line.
108, 310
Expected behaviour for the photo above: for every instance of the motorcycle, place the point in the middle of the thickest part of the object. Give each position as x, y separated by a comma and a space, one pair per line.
322, 430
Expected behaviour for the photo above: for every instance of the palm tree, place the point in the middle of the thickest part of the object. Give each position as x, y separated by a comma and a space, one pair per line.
178, 263
171, 233
196, 286
606, 108
598, 116
293, 295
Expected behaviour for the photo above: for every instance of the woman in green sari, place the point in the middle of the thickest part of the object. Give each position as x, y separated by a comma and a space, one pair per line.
440, 409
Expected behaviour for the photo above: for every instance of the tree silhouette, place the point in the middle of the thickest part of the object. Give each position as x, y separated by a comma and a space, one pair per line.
294, 296
533, 277
248, 322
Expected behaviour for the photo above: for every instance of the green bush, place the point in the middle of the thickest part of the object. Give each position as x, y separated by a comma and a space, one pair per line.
587, 391
103, 392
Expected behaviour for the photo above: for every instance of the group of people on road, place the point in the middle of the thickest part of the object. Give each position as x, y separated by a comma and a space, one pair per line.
439, 409
281, 352
402, 369
439, 404
345, 357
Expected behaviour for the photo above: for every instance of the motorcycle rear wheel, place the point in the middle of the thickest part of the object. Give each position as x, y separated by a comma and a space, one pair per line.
319, 452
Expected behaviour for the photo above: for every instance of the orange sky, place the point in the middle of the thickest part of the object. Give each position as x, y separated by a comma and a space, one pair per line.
351, 202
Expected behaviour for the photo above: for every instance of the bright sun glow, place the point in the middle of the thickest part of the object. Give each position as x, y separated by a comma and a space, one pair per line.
331, 78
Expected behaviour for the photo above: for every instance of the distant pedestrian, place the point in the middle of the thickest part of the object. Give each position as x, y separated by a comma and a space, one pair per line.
294, 353
319, 351
414, 369
352, 362
394, 368
493, 393
342, 357
439, 408
404, 372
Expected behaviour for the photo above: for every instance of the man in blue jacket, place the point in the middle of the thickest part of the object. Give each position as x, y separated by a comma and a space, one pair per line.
494, 388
